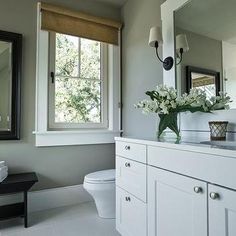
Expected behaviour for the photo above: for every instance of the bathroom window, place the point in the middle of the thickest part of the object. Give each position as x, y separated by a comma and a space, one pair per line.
77, 78
77, 82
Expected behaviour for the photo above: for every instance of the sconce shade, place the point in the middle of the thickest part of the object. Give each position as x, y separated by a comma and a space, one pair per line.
155, 36
182, 42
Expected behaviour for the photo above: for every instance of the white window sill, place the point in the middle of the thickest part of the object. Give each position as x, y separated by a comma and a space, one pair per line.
83, 137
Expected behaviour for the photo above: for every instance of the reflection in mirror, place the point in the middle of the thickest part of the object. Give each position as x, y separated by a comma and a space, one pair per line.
5, 85
211, 37
10, 73
206, 80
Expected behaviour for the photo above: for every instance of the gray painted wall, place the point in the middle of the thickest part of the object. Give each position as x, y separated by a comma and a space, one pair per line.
56, 166
141, 69
203, 52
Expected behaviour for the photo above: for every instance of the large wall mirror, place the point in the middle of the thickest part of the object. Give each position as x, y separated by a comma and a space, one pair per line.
10, 73
209, 27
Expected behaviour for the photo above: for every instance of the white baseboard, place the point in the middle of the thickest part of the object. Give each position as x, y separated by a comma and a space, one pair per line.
50, 198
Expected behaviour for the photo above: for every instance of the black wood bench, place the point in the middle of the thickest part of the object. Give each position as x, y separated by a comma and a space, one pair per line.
14, 184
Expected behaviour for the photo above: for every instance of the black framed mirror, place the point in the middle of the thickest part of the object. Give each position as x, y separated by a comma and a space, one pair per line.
207, 80
10, 77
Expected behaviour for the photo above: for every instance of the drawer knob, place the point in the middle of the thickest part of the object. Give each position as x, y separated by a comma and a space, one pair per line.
198, 189
127, 164
127, 148
214, 196
127, 199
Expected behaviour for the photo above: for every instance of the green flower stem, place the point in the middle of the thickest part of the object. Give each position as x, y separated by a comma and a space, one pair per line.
168, 121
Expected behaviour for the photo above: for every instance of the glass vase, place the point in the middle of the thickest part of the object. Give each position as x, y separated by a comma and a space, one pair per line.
168, 126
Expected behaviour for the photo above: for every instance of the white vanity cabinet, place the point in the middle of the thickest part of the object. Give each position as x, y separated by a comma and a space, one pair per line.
131, 189
167, 189
177, 205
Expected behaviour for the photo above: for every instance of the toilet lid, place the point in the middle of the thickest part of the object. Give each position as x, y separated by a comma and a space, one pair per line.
101, 176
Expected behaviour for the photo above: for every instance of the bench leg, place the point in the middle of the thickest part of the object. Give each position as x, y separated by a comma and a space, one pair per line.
26, 208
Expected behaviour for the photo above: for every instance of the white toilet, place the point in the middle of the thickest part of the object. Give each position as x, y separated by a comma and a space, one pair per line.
101, 186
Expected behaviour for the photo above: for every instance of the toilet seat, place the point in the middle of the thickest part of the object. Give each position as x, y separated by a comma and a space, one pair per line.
99, 177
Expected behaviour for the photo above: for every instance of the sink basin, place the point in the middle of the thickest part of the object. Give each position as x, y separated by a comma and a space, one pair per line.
222, 144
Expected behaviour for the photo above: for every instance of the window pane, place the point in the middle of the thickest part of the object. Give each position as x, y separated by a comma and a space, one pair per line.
77, 101
67, 59
90, 59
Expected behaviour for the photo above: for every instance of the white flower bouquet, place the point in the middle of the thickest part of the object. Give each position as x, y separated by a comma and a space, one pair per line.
165, 102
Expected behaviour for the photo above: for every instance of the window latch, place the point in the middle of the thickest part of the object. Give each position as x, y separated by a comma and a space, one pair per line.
52, 77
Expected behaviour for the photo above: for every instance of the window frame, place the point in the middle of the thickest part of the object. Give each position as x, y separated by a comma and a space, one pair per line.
52, 125
49, 138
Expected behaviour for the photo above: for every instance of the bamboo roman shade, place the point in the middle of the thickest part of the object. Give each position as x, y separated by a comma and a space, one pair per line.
62, 20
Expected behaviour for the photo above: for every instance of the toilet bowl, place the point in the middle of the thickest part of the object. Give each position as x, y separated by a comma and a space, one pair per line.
101, 186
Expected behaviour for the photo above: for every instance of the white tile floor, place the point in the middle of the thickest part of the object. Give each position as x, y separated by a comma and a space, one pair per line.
79, 220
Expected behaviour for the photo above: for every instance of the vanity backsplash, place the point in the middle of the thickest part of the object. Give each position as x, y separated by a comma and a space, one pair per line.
197, 123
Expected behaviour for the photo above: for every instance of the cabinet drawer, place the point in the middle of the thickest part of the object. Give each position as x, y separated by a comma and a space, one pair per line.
215, 169
131, 217
131, 176
132, 151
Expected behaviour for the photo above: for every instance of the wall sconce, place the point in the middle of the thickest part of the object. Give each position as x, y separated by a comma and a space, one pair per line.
181, 46
155, 39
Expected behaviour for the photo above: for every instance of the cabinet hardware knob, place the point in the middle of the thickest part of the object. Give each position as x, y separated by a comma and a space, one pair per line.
127, 147
127, 199
198, 189
214, 196
127, 164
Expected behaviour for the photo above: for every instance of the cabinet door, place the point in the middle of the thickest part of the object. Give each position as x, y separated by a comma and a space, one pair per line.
177, 205
131, 214
222, 211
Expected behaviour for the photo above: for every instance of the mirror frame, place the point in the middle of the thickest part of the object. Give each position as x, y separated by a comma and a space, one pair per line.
16, 40
190, 69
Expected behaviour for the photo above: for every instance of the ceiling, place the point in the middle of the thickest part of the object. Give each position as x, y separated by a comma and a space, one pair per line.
212, 18
118, 3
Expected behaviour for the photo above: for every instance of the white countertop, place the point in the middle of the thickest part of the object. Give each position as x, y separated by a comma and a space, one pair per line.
190, 144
